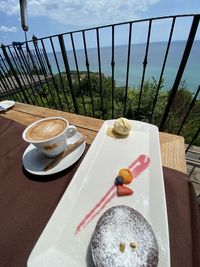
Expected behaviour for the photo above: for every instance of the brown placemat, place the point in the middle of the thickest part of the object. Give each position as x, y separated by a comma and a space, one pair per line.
183, 219
27, 202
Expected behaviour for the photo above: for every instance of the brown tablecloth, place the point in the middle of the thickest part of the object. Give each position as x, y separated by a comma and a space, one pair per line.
27, 202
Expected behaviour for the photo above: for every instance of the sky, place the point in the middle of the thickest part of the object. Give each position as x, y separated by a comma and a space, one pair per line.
49, 17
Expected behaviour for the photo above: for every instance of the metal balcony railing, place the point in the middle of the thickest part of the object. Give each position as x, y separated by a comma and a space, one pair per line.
111, 71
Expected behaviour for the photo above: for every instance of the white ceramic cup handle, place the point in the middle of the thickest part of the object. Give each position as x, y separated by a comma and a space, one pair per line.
71, 131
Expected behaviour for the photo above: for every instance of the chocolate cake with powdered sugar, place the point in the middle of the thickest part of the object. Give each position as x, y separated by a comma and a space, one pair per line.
123, 238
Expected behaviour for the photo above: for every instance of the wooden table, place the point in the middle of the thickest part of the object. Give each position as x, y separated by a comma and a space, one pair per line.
172, 146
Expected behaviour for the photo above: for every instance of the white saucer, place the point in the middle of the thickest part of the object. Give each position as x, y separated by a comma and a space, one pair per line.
6, 104
34, 161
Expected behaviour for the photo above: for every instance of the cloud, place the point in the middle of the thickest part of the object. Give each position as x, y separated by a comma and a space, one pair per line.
9, 7
81, 12
7, 29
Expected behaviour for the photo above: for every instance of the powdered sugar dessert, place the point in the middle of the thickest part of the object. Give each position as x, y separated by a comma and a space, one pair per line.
123, 237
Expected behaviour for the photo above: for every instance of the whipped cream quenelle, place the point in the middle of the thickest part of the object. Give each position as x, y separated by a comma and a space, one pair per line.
122, 126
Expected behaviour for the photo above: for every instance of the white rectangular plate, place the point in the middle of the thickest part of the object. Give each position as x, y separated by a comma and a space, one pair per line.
58, 246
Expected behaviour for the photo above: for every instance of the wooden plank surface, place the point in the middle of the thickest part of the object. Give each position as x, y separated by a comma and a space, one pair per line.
172, 146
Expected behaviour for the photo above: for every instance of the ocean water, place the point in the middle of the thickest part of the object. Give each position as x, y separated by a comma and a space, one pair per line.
155, 59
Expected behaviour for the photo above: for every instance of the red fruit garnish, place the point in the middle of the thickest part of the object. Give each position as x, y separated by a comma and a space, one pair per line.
123, 191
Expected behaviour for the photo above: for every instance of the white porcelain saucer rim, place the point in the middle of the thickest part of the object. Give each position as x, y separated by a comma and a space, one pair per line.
7, 103
58, 167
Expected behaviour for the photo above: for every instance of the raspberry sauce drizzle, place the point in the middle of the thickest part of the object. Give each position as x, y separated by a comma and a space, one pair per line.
137, 167
102, 207
95, 208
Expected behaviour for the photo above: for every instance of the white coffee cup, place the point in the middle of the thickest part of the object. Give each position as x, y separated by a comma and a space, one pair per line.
49, 135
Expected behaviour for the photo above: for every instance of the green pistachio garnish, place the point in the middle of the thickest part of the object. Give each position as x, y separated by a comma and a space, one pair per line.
122, 247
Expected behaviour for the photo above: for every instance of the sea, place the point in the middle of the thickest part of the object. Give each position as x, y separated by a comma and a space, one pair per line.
155, 59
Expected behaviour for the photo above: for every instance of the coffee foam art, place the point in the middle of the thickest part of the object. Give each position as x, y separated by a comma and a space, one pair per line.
45, 130
124, 225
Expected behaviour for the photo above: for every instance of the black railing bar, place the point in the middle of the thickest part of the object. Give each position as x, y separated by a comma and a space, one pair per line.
32, 76
28, 77
67, 70
100, 76
190, 108
39, 58
88, 71
40, 79
181, 69
193, 139
25, 66
77, 71
163, 68
44, 73
41, 71
35, 69
113, 68
23, 63
8, 85
4, 81
4, 96
118, 24
193, 167
3, 91
7, 78
51, 73
127, 68
48, 65
59, 73
2, 55
41, 52
18, 70
14, 72
6, 66
5, 71
44, 60
16, 61
13, 93
144, 65
193, 180
35, 59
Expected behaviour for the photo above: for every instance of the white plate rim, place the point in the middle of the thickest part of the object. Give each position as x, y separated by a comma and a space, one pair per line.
7, 104
40, 249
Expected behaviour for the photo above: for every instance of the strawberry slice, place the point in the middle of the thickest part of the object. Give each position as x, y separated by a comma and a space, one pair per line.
123, 191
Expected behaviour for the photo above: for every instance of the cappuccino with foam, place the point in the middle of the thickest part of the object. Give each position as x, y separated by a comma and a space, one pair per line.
45, 130
49, 135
